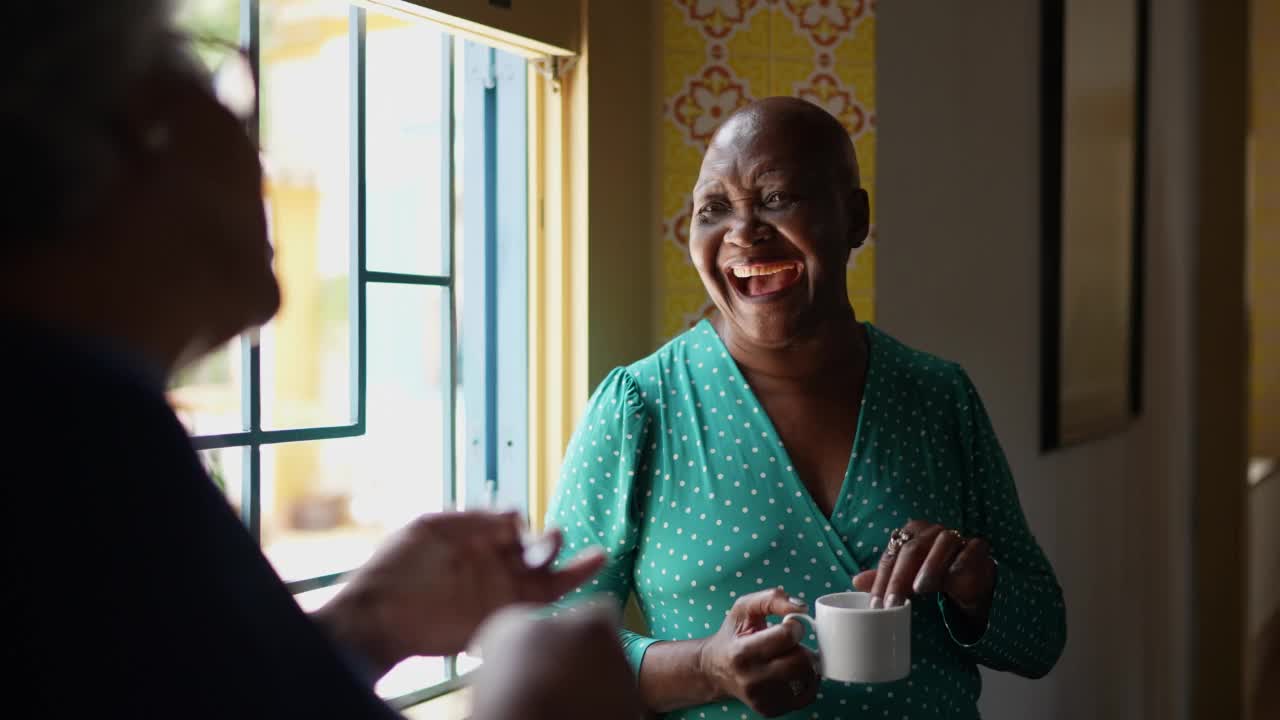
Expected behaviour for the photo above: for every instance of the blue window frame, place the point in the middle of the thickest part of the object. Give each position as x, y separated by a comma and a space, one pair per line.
478, 295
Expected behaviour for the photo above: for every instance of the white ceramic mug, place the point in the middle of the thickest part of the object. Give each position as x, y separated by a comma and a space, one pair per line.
857, 643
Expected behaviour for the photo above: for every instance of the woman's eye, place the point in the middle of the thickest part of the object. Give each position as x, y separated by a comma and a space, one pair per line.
777, 200
714, 207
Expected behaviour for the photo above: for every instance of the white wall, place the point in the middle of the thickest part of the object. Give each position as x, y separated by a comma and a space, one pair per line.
958, 274
1264, 554
1264, 575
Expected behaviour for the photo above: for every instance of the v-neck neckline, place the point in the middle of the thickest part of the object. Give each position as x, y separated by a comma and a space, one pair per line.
792, 471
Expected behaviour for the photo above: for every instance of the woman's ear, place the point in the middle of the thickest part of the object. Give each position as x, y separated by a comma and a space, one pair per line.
859, 218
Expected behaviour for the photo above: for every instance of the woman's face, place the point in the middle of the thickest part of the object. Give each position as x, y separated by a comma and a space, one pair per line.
772, 230
206, 222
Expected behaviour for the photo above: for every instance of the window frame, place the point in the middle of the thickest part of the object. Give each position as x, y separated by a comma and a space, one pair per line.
494, 286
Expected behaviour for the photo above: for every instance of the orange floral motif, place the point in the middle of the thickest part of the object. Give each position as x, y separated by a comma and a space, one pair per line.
717, 18
824, 90
679, 229
818, 50
707, 101
827, 21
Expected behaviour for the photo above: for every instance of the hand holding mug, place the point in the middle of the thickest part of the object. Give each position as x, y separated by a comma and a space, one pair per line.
859, 643
924, 557
765, 667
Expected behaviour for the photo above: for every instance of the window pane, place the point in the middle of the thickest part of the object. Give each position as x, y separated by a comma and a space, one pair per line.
206, 396
328, 504
309, 524
406, 176
411, 675
212, 19
459, 274
407, 424
459, 443
467, 663
226, 469
313, 600
306, 125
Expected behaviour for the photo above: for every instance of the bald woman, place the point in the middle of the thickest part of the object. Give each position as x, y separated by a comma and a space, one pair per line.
783, 449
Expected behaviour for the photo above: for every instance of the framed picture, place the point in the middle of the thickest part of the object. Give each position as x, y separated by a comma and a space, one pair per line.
1093, 149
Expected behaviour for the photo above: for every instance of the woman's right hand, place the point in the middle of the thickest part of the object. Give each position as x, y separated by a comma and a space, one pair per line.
435, 581
764, 666
559, 668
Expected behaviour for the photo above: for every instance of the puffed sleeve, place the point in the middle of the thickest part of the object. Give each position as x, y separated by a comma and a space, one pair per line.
598, 500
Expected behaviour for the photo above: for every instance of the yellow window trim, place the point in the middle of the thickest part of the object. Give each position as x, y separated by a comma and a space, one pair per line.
557, 277
593, 228
535, 30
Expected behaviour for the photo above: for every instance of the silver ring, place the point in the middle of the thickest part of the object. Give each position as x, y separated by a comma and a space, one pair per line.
797, 687
898, 538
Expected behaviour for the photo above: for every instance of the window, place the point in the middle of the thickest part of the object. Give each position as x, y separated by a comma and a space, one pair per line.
394, 380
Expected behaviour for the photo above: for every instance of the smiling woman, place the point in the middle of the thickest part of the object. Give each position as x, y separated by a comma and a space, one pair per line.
783, 450
758, 195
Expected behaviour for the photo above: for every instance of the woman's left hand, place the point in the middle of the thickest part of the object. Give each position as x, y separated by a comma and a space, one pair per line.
924, 557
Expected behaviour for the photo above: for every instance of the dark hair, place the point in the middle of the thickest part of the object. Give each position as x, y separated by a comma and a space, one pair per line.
65, 73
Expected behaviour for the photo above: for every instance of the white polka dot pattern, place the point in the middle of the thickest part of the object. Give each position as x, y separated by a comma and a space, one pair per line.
677, 471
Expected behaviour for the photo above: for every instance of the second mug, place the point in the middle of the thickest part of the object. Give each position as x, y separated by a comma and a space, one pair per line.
857, 643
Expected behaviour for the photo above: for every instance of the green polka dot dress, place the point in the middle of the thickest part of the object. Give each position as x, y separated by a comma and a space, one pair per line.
678, 473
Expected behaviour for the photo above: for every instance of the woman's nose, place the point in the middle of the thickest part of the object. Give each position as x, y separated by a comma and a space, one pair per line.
747, 231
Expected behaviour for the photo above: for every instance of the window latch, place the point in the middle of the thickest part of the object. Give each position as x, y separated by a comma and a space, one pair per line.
555, 67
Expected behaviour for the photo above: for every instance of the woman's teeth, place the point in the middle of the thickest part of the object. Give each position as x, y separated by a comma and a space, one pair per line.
744, 271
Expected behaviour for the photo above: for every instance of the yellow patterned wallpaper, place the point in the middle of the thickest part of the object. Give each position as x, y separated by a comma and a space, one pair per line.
720, 55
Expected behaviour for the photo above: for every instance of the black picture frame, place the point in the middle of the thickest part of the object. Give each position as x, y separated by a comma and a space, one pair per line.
1055, 279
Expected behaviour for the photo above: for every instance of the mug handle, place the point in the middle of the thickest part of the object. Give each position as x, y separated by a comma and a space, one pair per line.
801, 618
813, 625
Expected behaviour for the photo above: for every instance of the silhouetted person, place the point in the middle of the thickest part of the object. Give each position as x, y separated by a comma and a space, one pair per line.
133, 241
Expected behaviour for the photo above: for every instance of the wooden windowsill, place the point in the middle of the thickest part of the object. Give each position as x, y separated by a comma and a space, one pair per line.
453, 706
